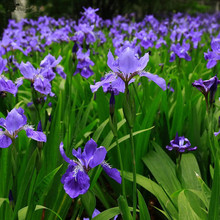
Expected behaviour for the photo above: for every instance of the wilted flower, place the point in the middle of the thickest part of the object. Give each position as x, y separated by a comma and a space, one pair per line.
206, 86
13, 124
180, 144
76, 180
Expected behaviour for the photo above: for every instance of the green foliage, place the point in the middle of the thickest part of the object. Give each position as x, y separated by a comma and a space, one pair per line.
32, 171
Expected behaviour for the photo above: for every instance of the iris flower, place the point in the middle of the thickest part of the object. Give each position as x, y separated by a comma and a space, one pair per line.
214, 55
207, 86
76, 180
13, 124
180, 144
124, 69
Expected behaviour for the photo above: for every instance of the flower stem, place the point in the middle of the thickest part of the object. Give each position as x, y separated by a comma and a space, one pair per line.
134, 174
122, 169
207, 104
135, 90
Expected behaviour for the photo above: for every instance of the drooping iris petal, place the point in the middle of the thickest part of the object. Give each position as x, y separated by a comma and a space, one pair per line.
36, 135
155, 78
76, 182
98, 157
7, 85
119, 84
108, 79
15, 120
5, 141
211, 63
112, 172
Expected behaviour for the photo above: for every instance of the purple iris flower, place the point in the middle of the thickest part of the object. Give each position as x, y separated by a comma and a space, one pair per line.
206, 86
84, 63
180, 51
84, 32
76, 180
180, 144
214, 55
13, 124
41, 77
50, 63
3, 63
89, 14
37, 77
7, 85
124, 69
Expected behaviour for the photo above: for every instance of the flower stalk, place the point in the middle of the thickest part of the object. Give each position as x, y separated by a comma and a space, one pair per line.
129, 113
113, 125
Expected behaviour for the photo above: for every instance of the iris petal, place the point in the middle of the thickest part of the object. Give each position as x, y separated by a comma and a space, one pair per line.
98, 157
155, 78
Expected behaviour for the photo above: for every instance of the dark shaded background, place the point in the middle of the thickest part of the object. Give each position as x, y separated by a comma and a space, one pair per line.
107, 8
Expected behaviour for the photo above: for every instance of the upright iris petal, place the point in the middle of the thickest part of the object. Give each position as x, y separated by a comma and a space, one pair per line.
98, 157
15, 120
128, 63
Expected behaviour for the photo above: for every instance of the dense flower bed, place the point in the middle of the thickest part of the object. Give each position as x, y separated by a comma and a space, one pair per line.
132, 88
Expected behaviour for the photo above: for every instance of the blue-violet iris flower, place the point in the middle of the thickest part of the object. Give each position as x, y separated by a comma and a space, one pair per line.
180, 144
124, 69
206, 86
214, 55
76, 180
13, 124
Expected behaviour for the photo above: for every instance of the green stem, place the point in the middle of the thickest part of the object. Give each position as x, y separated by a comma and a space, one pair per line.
134, 174
122, 169
135, 90
207, 104
210, 127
